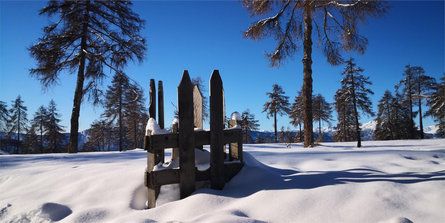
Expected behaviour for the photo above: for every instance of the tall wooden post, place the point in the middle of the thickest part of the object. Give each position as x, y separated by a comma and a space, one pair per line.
186, 138
160, 105
175, 151
197, 107
151, 191
216, 132
152, 105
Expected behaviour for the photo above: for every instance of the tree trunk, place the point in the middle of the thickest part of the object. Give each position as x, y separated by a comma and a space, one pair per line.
120, 119
301, 138
319, 130
412, 131
307, 77
275, 125
18, 132
422, 135
78, 93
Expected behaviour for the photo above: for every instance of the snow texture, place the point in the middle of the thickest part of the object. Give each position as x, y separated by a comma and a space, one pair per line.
153, 126
236, 116
384, 181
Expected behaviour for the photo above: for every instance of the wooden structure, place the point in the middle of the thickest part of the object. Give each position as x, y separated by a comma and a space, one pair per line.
184, 139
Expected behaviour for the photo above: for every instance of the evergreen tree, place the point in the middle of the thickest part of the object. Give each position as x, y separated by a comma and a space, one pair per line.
205, 108
423, 86
53, 128
97, 136
4, 120
356, 91
278, 104
115, 102
248, 124
322, 111
345, 117
408, 92
437, 105
38, 122
401, 114
18, 119
88, 36
134, 111
31, 143
297, 113
385, 124
290, 22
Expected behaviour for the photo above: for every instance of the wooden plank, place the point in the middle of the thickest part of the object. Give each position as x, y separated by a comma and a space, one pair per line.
164, 177
151, 191
162, 141
186, 137
175, 150
231, 135
197, 107
203, 175
152, 103
202, 138
160, 105
216, 132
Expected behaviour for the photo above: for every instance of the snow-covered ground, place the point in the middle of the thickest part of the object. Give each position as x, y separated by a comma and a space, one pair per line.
384, 181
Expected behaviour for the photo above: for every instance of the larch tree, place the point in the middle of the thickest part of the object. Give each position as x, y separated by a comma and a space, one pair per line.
384, 129
87, 37
356, 91
290, 22
345, 117
248, 124
423, 86
436, 105
134, 111
18, 119
39, 122
54, 130
4, 119
278, 105
297, 113
322, 111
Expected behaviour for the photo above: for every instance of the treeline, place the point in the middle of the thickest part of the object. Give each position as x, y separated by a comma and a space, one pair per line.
42, 134
395, 117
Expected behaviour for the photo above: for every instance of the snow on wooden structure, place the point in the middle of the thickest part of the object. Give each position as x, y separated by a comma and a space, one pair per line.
186, 136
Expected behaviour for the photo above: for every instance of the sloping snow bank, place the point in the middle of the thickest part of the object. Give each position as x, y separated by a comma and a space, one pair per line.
385, 181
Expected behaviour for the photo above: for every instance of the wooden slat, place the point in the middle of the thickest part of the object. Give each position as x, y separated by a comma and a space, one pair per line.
216, 132
152, 103
175, 150
197, 107
160, 105
231, 135
164, 177
202, 138
186, 137
164, 141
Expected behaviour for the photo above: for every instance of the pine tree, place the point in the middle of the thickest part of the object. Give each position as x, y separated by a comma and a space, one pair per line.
248, 124
356, 91
408, 92
88, 36
205, 108
322, 111
290, 22
18, 119
345, 117
278, 104
97, 136
134, 111
38, 122
114, 104
385, 124
437, 105
423, 86
4, 120
53, 128
297, 113
31, 143
401, 114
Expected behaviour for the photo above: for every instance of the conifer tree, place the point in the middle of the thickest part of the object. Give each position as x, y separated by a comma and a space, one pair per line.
134, 111
278, 104
18, 119
437, 105
423, 86
248, 124
297, 113
54, 129
38, 122
408, 91
87, 37
356, 91
322, 111
385, 119
403, 124
4, 120
345, 117
97, 136
290, 22
115, 102
31, 143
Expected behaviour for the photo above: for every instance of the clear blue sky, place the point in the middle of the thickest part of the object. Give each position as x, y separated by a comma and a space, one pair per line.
204, 35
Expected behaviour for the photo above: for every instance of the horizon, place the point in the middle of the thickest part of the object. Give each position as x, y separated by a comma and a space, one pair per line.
200, 36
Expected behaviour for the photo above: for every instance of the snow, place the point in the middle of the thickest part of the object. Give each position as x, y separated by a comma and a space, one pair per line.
384, 181
155, 129
236, 116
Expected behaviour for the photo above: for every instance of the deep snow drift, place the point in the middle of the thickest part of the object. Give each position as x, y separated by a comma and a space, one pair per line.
384, 181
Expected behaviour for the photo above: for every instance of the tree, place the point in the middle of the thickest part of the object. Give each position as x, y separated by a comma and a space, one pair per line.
423, 86
278, 104
205, 108
4, 119
385, 124
248, 123
97, 136
31, 144
53, 128
297, 113
345, 117
88, 36
355, 90
337, 25
38, 122
18, 119
322, 111
114, 103
135, 112
437, 105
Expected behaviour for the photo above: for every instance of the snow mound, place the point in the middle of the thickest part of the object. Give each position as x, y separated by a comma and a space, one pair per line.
153, 126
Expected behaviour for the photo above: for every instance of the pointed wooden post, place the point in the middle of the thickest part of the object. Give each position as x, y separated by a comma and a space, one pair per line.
197, 107
160, 105
216, 132
152, 105
186, 138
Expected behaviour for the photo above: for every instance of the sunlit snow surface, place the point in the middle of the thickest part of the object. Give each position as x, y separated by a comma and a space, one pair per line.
384, 181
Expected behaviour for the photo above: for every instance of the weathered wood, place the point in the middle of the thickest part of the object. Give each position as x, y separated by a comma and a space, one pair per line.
197, 107
151, 191
163, 177
186, 137
160, 105
152, 104
175, 149
159, 142
216, 132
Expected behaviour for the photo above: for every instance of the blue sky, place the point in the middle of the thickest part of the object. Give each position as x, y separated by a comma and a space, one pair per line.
204, 35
